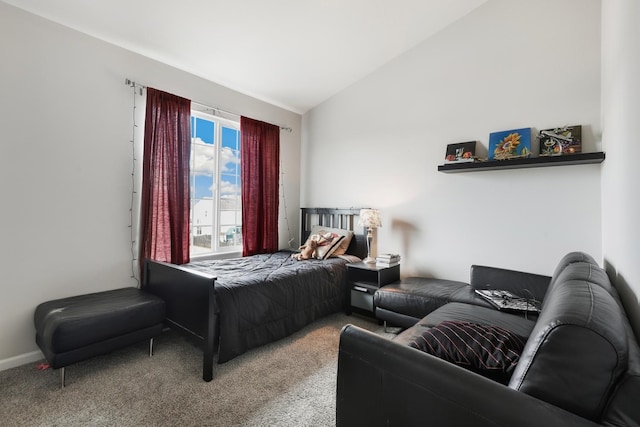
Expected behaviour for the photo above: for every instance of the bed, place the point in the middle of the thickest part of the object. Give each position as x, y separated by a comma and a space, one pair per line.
230, 306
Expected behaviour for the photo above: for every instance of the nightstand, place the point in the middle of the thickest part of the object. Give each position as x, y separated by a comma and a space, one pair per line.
363, 280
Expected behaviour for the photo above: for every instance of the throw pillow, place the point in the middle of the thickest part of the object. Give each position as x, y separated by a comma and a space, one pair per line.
488, 350
342, 247
327, 244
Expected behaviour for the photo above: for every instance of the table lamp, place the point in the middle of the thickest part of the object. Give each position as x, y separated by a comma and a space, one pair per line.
369, 218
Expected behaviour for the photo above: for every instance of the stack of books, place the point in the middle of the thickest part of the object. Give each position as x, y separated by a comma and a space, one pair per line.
387, 260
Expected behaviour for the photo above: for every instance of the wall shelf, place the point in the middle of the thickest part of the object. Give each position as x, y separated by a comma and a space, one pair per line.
530, 162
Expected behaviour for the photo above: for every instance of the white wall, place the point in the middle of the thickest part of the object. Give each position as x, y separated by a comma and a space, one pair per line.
621, 174
508, 64
66, 158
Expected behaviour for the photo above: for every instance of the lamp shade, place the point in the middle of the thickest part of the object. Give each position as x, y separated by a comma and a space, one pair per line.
370, 218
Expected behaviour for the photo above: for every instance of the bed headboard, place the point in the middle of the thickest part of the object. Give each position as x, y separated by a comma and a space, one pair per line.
345, 219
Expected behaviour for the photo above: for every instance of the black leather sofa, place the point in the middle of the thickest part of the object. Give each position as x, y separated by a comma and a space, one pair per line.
580, 364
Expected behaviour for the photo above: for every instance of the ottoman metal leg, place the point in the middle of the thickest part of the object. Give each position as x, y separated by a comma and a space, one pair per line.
62, 373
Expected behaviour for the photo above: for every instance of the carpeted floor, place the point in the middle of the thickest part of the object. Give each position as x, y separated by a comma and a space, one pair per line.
288, 383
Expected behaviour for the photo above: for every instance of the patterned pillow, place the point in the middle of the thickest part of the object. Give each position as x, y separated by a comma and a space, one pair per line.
341, 249
327, 244
488, 350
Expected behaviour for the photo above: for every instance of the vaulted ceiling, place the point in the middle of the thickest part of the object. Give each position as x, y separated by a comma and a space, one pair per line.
291, 53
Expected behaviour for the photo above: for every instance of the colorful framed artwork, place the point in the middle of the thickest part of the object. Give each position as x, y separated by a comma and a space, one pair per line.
560, 141
461, 152
510, 144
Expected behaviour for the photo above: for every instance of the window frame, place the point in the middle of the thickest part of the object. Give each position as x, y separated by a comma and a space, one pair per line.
216, 245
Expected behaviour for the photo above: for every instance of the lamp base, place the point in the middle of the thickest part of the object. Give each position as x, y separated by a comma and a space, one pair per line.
369, 260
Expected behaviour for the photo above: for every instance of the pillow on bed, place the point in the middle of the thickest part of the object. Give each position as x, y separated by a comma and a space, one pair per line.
488, 350
328, 242
341, 249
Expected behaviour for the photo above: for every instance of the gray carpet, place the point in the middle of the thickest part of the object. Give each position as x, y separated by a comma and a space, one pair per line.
287, 383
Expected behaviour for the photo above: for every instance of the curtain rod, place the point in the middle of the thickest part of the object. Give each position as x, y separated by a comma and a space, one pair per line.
215, 110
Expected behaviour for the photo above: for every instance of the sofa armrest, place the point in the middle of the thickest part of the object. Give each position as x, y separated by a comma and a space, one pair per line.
520, 283
384, 383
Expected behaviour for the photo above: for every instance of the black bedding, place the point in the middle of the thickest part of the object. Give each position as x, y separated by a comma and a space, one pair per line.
269, 296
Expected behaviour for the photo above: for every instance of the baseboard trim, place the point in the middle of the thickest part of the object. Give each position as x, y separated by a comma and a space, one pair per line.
20, 360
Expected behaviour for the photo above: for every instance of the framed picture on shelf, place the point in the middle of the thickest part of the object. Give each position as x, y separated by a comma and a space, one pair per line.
510, 144
560, 141
461, 152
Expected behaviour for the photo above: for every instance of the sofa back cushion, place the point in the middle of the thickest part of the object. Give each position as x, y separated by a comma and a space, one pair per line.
580, 270
568, 259
576, 352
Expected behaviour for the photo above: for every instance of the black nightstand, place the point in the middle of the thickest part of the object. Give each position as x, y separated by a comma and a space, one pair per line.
363, 280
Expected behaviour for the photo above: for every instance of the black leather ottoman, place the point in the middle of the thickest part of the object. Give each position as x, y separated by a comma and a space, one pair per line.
72, 329
406, 302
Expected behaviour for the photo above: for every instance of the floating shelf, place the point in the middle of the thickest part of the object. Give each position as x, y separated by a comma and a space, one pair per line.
529, 162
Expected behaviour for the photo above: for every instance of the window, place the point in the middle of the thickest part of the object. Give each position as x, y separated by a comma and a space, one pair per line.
216, 204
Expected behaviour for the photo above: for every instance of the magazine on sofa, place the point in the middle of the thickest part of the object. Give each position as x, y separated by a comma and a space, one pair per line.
505, 300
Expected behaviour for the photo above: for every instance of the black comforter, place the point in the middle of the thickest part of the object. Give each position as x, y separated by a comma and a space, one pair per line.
263, 298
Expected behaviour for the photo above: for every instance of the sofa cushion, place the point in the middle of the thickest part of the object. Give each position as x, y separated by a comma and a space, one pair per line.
520, 324
419, 296
576, 352
488, 350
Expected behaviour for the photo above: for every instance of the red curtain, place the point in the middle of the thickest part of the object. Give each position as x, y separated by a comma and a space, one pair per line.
260, 171
164, 211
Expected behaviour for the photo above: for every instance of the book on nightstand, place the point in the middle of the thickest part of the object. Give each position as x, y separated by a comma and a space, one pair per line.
387, 260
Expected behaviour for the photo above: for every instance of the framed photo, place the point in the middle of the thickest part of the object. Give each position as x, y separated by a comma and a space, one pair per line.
461, 152
560, 141
510, 144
